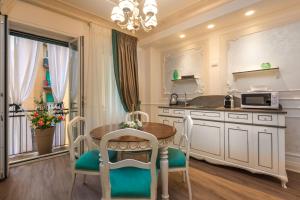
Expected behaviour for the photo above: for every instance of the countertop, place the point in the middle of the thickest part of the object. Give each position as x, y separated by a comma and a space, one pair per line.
237, 109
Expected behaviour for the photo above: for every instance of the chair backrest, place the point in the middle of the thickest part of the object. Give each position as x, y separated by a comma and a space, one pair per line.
185, 138
73, 123
135, 115
106, 165
76, 142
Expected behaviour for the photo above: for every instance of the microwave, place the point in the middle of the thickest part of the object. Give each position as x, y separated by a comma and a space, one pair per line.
265, 100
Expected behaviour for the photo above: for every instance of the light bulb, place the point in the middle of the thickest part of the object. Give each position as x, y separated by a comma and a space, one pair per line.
126, 5
150, 7
151, 21
117, 14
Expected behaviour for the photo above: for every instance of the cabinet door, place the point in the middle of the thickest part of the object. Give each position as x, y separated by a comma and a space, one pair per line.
208, 139
178, 124
165, 120
265, 141
238, 144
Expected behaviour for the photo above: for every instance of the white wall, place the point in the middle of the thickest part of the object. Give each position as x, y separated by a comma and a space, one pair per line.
280, 46
237, 48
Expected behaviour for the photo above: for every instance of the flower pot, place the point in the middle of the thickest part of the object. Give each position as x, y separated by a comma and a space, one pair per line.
44, 140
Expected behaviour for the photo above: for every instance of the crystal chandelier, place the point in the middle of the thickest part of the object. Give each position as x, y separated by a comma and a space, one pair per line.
127, 15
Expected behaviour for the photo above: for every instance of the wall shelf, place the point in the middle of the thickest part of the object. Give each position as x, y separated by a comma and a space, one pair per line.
244, 73
185, 79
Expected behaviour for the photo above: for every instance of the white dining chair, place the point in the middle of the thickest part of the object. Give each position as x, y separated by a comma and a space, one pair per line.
86, 163
128, 178
179, 157
145, 116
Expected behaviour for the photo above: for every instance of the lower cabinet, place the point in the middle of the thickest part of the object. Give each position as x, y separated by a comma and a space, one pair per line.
177, 123
265, 140
257, 147
238, 144
208, 139
165, 120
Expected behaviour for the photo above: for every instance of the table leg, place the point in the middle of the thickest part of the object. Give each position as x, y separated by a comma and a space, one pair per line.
164, 171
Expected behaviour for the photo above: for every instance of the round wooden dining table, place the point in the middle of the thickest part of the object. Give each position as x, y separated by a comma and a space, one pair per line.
164, 134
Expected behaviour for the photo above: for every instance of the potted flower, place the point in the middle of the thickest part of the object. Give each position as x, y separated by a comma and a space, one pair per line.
136, 124
43, 121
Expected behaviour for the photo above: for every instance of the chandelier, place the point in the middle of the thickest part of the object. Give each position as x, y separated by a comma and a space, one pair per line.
127, 15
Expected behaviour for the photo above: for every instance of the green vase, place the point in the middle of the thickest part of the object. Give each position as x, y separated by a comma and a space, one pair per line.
175, 74
265, 65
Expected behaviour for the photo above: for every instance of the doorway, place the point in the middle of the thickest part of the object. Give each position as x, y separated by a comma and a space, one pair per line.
21, 145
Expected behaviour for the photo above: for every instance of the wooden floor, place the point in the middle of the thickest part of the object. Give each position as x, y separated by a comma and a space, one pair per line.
50, 180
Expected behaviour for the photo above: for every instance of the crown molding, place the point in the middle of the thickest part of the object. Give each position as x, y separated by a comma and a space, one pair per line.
6, 6
59, 7
185, 14
197, 20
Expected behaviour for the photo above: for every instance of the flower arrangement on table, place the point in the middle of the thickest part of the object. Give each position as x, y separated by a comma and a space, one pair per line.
136, 124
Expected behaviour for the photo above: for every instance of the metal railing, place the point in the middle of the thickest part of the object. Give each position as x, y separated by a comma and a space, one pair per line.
20, 133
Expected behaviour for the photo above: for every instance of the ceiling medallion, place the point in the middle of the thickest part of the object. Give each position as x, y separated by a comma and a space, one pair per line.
127, 15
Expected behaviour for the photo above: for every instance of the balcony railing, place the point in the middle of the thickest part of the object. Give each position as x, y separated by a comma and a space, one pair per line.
20, 133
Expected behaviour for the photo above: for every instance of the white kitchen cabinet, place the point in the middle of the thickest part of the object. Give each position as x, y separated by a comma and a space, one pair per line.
208, 139
165, 120
254, 141
238, 144
177, 123
265, 140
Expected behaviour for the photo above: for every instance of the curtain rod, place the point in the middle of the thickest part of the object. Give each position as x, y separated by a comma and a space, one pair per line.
38, 38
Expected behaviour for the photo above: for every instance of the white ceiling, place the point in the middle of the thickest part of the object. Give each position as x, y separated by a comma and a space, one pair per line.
102, 8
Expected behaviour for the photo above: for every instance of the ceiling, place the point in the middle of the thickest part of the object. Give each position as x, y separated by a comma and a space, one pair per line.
102, 8
263, 9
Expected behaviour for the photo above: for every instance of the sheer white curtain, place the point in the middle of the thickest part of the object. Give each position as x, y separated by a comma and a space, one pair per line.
23, 64
58, 67
23, 58
103, 105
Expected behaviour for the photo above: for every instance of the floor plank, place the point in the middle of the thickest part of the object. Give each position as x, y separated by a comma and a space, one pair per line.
50, 180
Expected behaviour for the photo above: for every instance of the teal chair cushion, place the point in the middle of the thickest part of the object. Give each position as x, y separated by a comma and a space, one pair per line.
90, 160
130, 182
176, 158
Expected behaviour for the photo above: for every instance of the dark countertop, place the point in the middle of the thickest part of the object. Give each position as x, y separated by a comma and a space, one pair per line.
237, 109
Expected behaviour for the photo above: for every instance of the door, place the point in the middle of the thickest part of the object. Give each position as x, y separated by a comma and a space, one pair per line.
208, 139
238, 144
265, 141
3, 101
76, 87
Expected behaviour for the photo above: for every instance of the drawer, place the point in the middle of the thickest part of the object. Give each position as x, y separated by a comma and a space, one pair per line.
242, 117
178, 112
210, 115
164, 111
265, 119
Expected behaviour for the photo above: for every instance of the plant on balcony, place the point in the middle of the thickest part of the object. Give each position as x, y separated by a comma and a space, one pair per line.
43, 121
